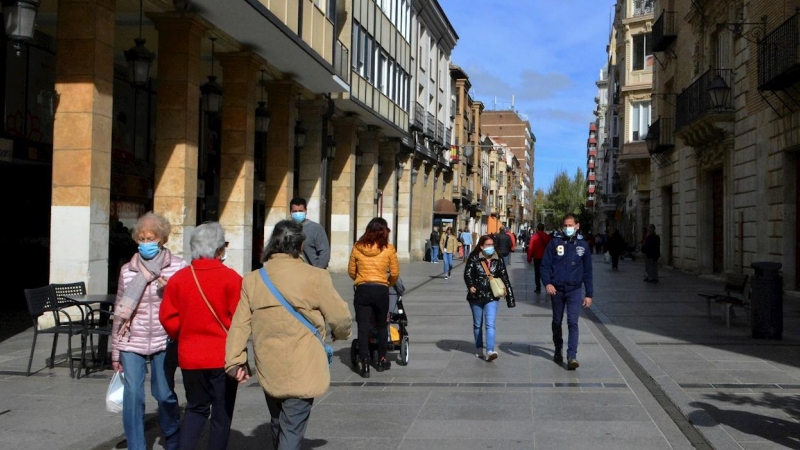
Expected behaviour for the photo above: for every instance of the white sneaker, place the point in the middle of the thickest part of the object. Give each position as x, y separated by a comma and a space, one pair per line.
491, 356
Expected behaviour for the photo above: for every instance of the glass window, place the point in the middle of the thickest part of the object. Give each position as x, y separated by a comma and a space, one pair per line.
640, 120
643, 51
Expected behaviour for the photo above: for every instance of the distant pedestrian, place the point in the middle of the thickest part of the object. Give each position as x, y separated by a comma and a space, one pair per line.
137, 336
616, 245
482, 262
290, 361
599, 243
466, 241
536, 248
198, 306
449, 245
652, 251
503, 245
590, 239
434, 239
317, 248
566, 267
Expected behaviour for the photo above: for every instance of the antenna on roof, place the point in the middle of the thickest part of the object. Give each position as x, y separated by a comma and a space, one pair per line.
512, 101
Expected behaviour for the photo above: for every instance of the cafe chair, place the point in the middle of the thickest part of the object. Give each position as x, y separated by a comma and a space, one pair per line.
95, 325
41, 301
62, 292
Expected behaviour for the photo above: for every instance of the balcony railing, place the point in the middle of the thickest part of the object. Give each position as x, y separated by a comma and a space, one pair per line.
447, 135
779, 56
419, 115
662, 130
440, 132
664, 31
341, 61
695, 101
642, 7
430, 125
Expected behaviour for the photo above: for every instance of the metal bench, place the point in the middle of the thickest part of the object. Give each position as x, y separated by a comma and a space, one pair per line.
735, 295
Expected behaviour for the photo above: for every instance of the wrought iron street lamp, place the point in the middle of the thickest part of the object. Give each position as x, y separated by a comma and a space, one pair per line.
19, 18
652, 140
262, 113
299, 135
719, 92
139, 58
212, 91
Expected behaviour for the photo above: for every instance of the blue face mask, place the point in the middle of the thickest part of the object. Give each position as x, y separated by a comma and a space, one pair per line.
488, 251
569, 231
148, 250
299, 216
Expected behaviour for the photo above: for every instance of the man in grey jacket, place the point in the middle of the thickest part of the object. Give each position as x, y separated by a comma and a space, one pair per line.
317, 248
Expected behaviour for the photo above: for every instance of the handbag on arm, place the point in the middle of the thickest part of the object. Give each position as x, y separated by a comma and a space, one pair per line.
297, 315
232, 371
497, 285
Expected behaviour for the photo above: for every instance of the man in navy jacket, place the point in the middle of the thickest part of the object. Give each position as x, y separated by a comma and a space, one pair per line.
566, 267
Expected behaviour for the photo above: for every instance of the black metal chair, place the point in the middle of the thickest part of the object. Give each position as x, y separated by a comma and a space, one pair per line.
98, 322
41, 301
61, 293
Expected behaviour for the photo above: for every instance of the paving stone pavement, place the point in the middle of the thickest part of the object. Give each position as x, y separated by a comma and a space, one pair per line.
738, 392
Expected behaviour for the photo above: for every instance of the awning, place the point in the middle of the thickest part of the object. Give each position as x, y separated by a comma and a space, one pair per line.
444, 207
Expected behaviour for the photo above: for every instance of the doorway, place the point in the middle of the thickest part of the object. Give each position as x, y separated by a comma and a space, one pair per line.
718, 226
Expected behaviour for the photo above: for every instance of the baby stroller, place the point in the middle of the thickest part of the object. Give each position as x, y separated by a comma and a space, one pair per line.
398, 335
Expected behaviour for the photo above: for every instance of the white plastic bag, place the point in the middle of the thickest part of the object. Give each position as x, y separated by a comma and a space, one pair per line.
607, 258
114, 393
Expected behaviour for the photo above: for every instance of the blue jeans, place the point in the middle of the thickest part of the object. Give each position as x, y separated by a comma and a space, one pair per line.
479, 309
507, 259
448, 262
434, 253
134, 367
572, 301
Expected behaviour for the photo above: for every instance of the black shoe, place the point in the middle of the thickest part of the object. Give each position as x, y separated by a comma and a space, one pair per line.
558, 358
448, 274
511, 303
382, 365
364, 370
572, 364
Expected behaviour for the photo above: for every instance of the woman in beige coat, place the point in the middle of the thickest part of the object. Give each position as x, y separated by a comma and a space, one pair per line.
290, 361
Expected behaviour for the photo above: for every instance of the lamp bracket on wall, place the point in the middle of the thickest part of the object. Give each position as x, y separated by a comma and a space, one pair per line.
754, 33
663, 96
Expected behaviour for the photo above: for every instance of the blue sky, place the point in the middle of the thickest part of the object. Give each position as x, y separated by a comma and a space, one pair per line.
548, 54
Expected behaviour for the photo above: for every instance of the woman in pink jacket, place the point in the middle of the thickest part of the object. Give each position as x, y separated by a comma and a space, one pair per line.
138, 337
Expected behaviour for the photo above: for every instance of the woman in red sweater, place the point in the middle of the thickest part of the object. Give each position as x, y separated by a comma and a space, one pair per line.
197, 309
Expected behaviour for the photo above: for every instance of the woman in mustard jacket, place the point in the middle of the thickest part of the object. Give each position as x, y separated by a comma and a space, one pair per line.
371, 259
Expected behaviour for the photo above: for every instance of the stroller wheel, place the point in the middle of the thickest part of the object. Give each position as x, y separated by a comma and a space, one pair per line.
354, 353
404, 347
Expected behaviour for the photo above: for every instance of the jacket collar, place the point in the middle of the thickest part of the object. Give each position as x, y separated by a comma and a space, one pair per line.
207, 263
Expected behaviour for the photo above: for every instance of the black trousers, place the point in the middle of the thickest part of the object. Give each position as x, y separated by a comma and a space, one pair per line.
209, 393
537, 269
614, 260
371, 300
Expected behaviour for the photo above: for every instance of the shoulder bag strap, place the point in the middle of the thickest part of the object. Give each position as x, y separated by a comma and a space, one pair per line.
197, 282
486, 268
288, 306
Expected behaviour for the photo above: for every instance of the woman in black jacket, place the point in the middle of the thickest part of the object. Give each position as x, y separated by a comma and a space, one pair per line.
479, 293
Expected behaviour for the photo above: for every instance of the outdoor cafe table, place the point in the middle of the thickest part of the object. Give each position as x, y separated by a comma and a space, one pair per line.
106, 301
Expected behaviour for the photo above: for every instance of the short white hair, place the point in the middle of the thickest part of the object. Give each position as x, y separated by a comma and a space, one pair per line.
206, 240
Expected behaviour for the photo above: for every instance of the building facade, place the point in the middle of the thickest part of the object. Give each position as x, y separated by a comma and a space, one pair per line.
245, 106
515, 131
725, 145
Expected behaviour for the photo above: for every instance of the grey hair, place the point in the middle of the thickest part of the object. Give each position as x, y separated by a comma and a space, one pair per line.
156, 223
287, 237
206, 240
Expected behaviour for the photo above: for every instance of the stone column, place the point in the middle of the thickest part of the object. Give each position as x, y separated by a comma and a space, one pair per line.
343, 181
387, 184
280, 152
405, 202
367, 179
311, 157
427, 204
82, 144
420, 229
240, 71
177, 122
